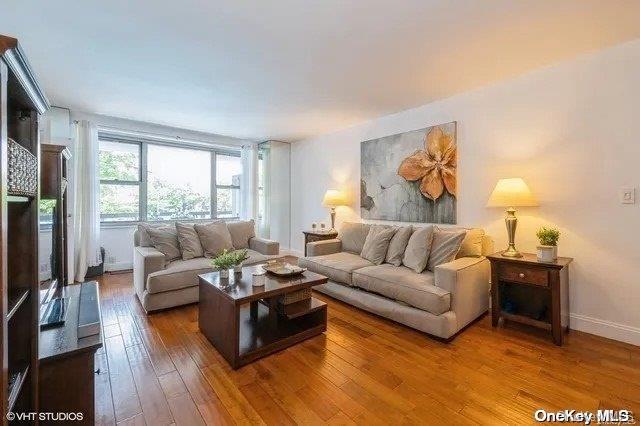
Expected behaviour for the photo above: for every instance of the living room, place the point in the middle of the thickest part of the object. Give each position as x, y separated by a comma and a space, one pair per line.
320, 212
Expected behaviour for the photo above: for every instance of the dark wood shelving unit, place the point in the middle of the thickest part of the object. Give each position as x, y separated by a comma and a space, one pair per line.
16, 388
21, 102
53, 186
16, 298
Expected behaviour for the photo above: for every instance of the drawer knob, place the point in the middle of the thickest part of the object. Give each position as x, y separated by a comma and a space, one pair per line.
521, 274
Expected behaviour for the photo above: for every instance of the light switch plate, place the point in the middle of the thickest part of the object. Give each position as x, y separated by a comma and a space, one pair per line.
627, 195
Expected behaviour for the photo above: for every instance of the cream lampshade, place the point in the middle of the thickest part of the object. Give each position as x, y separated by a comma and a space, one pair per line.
510, 193
334, 198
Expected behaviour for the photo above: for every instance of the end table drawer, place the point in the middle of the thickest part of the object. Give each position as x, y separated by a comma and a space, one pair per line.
525, 275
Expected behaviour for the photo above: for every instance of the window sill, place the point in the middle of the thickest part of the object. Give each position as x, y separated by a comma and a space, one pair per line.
123, 224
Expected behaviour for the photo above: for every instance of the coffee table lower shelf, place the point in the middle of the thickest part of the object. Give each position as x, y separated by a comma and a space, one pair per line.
241, 337
272, 332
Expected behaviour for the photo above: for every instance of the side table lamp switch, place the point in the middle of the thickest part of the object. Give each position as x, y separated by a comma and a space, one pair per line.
510, 193
332, 199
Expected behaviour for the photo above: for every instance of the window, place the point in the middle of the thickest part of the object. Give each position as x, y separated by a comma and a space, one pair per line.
119, 168
228, 172
142, 181
178, 183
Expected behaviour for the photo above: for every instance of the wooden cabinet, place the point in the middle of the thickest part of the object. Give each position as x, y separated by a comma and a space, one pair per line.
311, 236
54, 161
530, 292
67, 367
21, 102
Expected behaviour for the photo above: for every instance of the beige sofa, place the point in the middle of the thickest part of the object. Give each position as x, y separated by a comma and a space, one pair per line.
160, 284
439, 303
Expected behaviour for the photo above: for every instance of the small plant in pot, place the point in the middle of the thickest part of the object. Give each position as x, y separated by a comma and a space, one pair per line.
548, 248
239, 256
229, 259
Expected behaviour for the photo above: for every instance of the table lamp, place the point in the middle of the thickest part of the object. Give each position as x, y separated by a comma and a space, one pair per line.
334, 198
510, 193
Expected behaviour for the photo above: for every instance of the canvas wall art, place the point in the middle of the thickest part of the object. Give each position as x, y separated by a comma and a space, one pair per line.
411, 176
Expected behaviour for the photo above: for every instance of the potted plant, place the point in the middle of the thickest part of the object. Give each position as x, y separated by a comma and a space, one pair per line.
239, 257
229, 259
548, 248
223, 262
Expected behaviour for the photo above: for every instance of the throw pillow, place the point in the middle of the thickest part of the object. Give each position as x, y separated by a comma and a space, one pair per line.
377, 242
398, 245
446, 244
353, 236
241, 232
189, 241
472, 243
144, 240
416, 255
214, 237
165, 240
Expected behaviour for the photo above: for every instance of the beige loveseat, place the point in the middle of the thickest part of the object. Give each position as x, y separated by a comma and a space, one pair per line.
439, 302
162, 284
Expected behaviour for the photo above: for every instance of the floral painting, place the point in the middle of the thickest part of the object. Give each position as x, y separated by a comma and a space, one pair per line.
411, 176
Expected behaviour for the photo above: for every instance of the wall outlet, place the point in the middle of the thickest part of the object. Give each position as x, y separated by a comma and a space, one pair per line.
627, 195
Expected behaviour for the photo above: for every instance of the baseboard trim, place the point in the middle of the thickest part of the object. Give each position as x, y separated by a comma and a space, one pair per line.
118, 266
608, 329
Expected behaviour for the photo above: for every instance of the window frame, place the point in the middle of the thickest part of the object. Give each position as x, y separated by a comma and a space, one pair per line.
142, 181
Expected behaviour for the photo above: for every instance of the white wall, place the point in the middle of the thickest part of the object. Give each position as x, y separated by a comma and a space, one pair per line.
572, 131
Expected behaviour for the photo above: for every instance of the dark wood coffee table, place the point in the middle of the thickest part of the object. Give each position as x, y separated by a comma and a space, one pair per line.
243, 322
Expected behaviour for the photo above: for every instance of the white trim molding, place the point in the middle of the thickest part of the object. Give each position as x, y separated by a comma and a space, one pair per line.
118, 266
608, 329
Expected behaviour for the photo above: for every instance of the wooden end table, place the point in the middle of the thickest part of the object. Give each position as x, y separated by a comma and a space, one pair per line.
311, 236
243, 322
530, 292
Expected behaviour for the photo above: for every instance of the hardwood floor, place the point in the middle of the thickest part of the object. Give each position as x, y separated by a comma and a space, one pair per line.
159, 369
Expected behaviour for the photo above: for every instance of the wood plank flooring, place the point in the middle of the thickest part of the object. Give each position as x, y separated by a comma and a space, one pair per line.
159, 370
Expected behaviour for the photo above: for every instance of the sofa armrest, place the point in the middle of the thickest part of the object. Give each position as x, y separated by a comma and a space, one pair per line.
320, 248
145, 261
264, 246
467, 279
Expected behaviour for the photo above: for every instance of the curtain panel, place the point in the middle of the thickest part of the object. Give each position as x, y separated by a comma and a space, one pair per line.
86, 199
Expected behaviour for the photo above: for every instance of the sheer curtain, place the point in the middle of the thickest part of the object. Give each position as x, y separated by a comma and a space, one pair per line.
86, 197
249, 183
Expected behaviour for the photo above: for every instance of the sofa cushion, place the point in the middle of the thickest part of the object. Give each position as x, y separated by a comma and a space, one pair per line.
404, 285
398, 245
165, 240
377, 242
337, 266
416, 255
445, 246
214, 237
189, 241
144, 240
178, 274
472, 243
241, 232
353, 236
184, 273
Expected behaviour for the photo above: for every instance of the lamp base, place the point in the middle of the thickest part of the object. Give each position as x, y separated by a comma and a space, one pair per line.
333, 219
512, 222
511, 252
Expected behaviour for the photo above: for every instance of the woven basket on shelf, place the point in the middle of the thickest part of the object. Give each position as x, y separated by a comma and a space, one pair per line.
22, 175
295, 296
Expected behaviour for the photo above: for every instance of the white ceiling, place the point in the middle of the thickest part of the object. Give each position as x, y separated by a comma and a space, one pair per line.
290, 69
